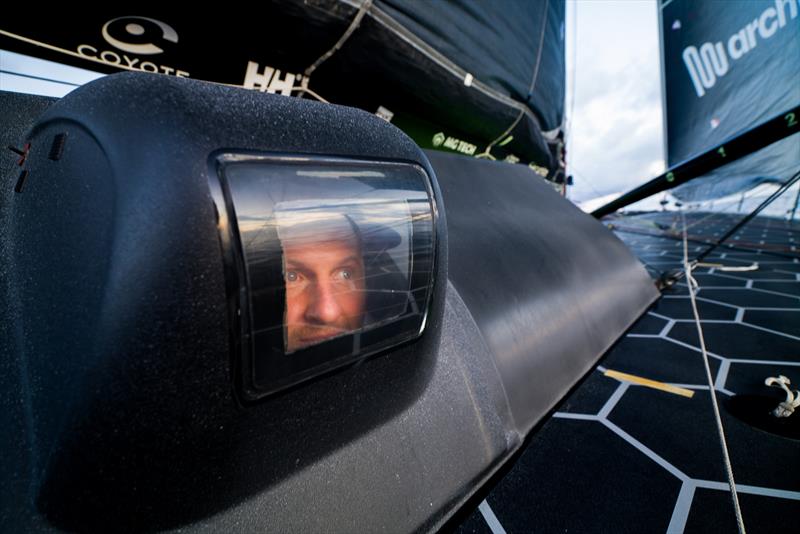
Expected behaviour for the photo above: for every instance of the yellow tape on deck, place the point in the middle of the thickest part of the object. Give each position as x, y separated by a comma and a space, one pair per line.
650, 383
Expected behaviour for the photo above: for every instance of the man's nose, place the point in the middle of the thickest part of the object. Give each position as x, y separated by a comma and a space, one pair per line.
324, 303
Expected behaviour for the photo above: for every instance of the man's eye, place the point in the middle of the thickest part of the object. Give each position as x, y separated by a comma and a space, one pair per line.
292, 276
346, 274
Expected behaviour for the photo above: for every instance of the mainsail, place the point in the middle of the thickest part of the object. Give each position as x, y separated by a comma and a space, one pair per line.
729, 67
477, 78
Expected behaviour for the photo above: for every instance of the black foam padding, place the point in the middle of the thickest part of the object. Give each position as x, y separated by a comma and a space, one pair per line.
120, 407
23, 175
17, 113
184, 107
120, 397
121, 384
57, 148
550, 288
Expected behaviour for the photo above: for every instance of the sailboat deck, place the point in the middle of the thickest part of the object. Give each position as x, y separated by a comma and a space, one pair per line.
622, 457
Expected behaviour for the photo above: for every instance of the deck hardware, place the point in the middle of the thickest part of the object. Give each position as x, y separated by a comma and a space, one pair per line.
787, 407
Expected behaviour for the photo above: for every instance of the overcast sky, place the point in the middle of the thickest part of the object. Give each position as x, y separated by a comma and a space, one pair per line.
615, 137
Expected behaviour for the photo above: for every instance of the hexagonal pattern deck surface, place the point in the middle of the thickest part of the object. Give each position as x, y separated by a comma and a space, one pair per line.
617, 456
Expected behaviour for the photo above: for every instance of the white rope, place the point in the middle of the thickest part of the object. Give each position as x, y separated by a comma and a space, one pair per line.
693, 286
787, 407
728, 268
302, 90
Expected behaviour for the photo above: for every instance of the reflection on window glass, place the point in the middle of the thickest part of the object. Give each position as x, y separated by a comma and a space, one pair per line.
336, 261
345, 266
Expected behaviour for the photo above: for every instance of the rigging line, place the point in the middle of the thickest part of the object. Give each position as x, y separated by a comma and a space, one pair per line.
64, 51
739, 246
757, 191
573, 74
671, 231
32, 77
530, 89
353, 25
781, 190
718, 212
637, 221
356, 22
796, 203
721, 211
693, 285
575, 172
301, 90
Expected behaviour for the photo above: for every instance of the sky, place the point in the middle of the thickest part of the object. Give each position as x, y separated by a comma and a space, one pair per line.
613, 104
614, 117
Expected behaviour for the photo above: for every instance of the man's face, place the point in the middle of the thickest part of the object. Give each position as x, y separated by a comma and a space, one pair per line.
324, 290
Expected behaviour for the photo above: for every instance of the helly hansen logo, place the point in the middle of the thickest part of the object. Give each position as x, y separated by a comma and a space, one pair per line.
270, 80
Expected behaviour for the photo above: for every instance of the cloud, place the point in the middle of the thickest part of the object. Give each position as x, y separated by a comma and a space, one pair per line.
615, 131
